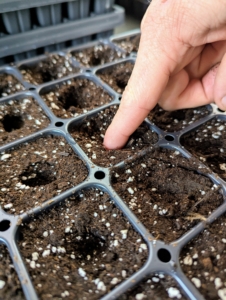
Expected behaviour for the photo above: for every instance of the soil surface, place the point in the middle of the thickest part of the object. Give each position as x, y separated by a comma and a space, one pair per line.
83, 247
208, 143
129, 44
97, 55
53, 67
37, 171
117, 76
19, 118
74, 97
158, 287
9, 85
10, 288
89, 135
166, 193
172, 121
203, 260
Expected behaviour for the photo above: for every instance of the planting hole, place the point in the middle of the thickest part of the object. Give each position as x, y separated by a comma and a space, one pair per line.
169, 138
164, 255
4, 225
40, 173
99, 175
12, 122
220, 110
59, 124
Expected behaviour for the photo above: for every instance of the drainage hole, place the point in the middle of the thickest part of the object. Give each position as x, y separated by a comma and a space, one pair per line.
59, 124
4, 225
164, 255
32, 89
99, 175
169, 138
220, 110
12, 122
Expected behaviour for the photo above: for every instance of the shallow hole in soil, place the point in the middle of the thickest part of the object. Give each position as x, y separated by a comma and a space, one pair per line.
59, 124
164, 255
99, 175
4, 225
12, 122
9, 85
169, 138
129, 44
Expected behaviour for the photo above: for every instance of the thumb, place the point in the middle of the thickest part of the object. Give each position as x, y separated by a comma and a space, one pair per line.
220, 85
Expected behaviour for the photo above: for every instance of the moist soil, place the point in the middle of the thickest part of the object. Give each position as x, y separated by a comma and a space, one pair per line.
128, 44
19, 118
53, 67
208, 143
89, 135
81, 249
37, 171
97, 55
166, 193
9, 282
177, 120
203, 260
157, 287
75, 96
9, 85
117, 76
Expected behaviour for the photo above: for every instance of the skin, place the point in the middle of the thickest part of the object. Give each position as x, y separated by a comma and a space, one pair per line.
181, 63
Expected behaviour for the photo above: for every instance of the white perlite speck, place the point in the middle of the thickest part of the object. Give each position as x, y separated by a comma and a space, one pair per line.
196, 282
224, 241
218, 283
140, 296
130, 190
2, 284
32, 264
101, 286
35, 256
46, 253
124, 233
67, 229
45, 233
81, 272
188, 260
174, 293
114, 280
5, 156
123, 273
222, 294
8, 206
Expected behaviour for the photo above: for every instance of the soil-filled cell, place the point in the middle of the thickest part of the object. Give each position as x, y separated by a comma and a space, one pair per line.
89, 135
10, 287
203, 261
9, 85
129, 44
75, 96
83, 247
53, 67
166, 193
117, 76
97, 55
37, 171
208, 143
19, 118
172, 121
158, 287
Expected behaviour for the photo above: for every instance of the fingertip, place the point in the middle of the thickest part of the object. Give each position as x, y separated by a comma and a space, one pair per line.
113, 140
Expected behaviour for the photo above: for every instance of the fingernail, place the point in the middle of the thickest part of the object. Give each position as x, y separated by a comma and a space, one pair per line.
223, 101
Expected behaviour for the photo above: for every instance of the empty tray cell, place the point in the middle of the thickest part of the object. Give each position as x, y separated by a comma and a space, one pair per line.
157, 287
117, 76
83, 247
37, 171
208, 143
97, 55
49, 14
10, 287
129, 44
19, 118
78, 9
166, 193
89, 135
17, 21
172, 121
203, 261
53, 67
9, 85
74, 96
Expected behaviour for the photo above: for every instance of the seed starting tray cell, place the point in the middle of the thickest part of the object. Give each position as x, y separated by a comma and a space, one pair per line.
144, 222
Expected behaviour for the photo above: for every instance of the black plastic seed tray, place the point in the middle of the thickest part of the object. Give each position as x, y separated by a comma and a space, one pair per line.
144, 222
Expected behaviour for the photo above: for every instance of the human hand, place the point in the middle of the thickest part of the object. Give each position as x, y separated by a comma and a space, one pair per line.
181, 63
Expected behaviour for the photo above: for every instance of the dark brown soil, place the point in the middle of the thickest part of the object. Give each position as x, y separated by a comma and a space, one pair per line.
117, 76
9, 85
129, 44
158, 287
172, 121
53, 67
208, 143
10, 288
204, 260
74, 97
97, 55
37, 171
89, 135
19, 118
166, 193
82, 249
